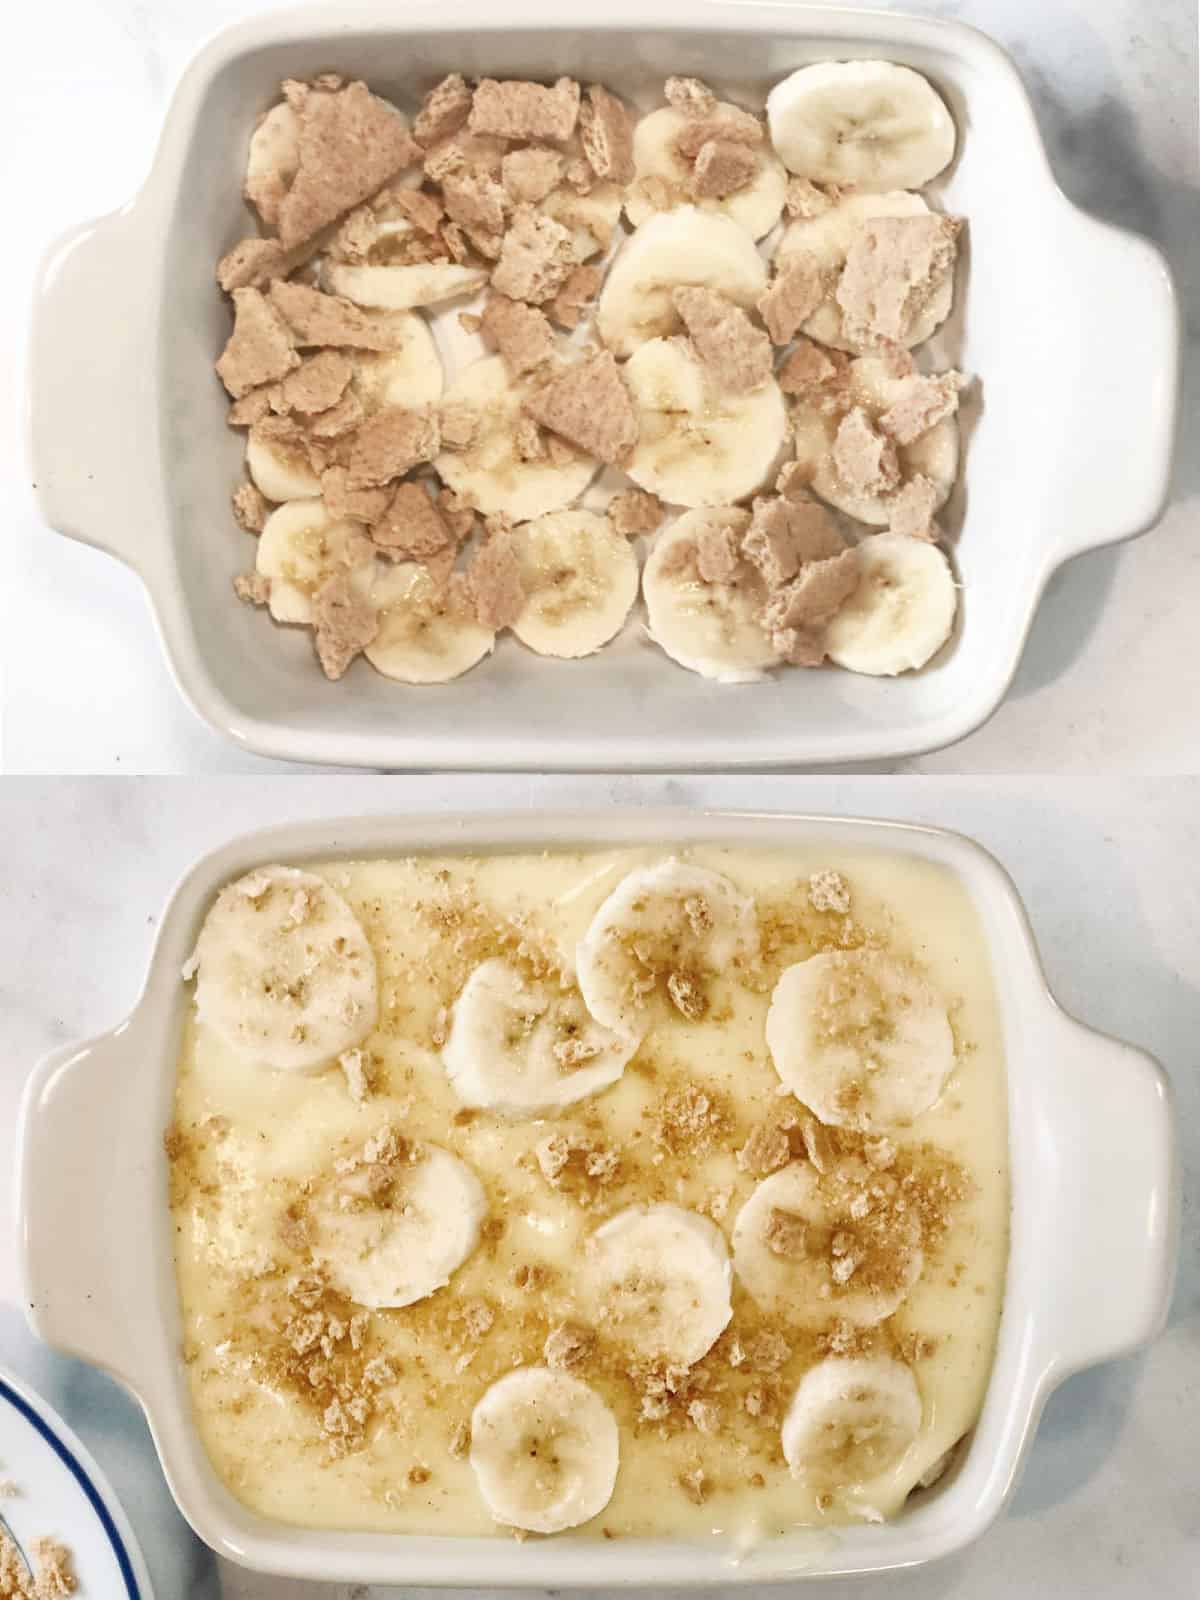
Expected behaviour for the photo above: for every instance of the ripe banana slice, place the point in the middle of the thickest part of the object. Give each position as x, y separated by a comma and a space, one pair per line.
490, 475
658, 1279
284, 972
525, 1047
871, 124
661, 172
399, 288
697, 445
687, 246
851, 1420
709, 628
828, 238
581, 579
860, 1037
424, 636
394, 1243
672, 928
902, 612
544, 1449
300, 547
813, 1246
280, 473
934, 455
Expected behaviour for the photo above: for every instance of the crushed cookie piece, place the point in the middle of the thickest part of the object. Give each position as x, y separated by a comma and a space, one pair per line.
786, 1235
317, 383
390, 444
253, 406
357, 505
910, 510
726, 122
412, 527
808, 603
736, 352
829, 891
864, 459
722, 168
345, 623
581, 1165
690, 97
522, 333
444, 110
253, 588
494, 583
356, 236
251, 263
425, 211
567, 1345
704, 1415
536, 258
606, 133
251, 508
687, 995
55, 1570
339, 419
804, 199
892, 268
326, 319
795, 292
350, 144
578, 290
718, 554
924, 403
635, 511
475, 201
589, 405
458, 516
459, 426
528, 175
516, 109
767, 1148
809, 368
785, 533
260, 349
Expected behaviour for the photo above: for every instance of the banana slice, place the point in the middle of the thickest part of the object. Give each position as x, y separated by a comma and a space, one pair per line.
828, 238
687, 246
278, 471
525, 1047
284, 972
813, 1246
934, 455
400, 288
544, 1449
393, 1242
661, 172
658, 1279
425, 635
300, 547
581, 580
860, 1037
871, 124
490, 474
709, 628
697, 445
851, 1420
672, 927
902, 612
272, 160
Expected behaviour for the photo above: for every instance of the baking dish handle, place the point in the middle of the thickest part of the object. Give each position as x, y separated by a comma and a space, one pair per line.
85, 1186
1114, 478
1109, 1218
92, 430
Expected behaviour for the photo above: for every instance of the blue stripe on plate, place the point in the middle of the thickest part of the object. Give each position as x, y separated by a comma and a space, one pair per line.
84, 1482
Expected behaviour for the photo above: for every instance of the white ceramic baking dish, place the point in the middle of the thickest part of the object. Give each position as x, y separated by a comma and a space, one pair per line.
1094, 1203
1069, 450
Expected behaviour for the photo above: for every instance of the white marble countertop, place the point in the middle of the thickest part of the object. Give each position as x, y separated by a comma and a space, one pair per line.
1108, 1506
1100, 688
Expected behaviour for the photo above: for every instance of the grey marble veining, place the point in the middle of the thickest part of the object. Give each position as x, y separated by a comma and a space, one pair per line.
1108, 1508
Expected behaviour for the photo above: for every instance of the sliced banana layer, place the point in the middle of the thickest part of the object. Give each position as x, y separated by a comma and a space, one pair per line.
280, 472
398, 288
811, 1246
581, 579
699, 446
524, 1047
393, 1241
663, 178
873, 388
301, 547
851, 1420
687, 246
861, 1038
425, 635
661, 937
658, 1279
902, 612
544, 1450
870, 124
828, 238
709, 628
284, 972
490, 474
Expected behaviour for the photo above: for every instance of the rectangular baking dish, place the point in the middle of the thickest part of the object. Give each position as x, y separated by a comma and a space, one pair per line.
1094, 1202
1070, 448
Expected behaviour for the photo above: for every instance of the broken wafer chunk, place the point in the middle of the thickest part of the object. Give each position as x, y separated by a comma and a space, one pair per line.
530, 174
795, 292
251, 263
634, 511
796, 615
250, 507
536, 258
318, 318
318, 383
606, 133
785, 533
444, 110
717, 553
924, 403
722, 168
342, 502
589, 405
910, 511
344, 623
580, 288
412, 528
391, 443
494, 582
864, 458
516, 109
893, 267
689, 96
521, 333
736, 352
260, 349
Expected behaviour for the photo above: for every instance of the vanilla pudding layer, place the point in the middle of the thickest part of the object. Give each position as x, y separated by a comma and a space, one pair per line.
250, 1147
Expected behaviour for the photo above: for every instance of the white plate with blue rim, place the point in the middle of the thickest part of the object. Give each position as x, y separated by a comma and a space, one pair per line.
62, 1494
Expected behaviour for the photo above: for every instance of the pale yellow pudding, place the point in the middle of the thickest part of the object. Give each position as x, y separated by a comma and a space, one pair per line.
321, 1409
